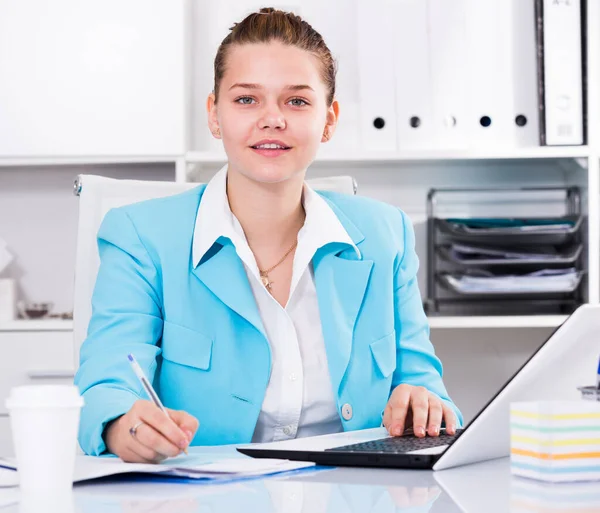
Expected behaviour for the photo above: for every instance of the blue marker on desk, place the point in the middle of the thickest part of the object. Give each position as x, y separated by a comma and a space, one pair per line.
147, 386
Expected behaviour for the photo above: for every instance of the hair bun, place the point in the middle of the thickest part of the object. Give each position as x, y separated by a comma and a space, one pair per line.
267, 10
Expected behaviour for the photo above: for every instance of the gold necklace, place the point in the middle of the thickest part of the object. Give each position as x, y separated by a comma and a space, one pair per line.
264, 274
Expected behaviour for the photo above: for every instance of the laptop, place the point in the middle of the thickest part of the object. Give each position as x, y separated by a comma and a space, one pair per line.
566, 360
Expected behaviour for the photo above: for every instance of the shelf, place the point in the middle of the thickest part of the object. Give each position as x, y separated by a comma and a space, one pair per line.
35, 325
86, 160
541, 152
500, 321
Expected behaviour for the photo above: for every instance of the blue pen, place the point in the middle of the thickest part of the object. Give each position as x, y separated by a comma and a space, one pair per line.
598, 376
147, 386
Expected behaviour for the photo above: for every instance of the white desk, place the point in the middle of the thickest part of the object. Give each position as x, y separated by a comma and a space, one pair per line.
485, 487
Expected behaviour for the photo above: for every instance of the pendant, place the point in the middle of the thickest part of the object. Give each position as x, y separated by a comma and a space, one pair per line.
265, 281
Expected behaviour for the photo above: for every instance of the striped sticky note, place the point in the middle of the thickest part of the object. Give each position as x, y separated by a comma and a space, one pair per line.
555, 440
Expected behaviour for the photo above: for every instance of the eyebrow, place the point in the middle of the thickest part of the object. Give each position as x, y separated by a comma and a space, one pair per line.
298, 87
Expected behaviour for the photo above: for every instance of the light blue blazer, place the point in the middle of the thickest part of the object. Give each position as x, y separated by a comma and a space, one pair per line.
197, 332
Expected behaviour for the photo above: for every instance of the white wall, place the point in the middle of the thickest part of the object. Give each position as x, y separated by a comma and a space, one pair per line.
38, 220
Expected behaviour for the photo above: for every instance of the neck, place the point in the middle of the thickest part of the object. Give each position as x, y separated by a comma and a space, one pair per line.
270, 214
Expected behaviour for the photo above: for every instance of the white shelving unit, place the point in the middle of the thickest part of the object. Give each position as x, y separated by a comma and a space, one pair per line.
35, 188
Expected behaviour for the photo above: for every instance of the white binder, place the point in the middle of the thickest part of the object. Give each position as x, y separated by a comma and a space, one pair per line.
375, 29
501, 79
413, 81
563, 72
447, 40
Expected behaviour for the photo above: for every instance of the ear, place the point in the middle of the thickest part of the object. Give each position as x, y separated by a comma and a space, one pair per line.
331, 121
213, 121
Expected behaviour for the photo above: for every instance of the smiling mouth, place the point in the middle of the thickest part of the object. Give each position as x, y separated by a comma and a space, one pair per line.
270, 147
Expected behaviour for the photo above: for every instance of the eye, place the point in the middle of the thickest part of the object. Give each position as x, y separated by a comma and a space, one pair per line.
304, 102
237, 100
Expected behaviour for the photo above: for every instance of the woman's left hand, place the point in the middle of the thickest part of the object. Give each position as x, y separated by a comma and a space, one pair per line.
417, 406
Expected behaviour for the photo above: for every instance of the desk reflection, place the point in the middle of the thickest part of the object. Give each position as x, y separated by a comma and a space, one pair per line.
273, 495
486, 487
529, 496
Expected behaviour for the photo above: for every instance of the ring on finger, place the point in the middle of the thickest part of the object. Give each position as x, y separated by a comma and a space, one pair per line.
133, 429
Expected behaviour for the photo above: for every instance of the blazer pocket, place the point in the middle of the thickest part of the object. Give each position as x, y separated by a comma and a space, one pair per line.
384, 353
186, 347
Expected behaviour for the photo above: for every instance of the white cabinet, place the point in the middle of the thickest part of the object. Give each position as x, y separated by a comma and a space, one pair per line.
29, 356
92, 79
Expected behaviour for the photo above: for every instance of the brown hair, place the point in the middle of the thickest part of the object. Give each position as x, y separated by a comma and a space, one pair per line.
269, 25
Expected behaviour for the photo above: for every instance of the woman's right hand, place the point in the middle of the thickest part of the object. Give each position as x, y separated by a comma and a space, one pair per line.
156, 437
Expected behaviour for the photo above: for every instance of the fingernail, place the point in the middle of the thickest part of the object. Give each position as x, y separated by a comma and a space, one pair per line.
436, 431
190, 435
420, 431
183, 444
396, 431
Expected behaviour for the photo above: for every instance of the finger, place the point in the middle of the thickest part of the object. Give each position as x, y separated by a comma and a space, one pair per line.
387, 417
449, 419
188, 423
144, 454
131, 455
400, 402
435, 416
161, 422
147, 436
419, 400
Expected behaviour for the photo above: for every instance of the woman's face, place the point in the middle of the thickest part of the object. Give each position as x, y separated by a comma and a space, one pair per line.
272, 95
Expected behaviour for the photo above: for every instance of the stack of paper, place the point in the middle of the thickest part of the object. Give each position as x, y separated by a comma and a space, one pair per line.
466, 252
544, 280
555, 440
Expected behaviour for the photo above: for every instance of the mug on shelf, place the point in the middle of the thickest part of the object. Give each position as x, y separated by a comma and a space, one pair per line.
32, 310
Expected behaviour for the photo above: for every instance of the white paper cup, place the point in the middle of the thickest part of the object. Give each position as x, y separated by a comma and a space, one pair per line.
44, 421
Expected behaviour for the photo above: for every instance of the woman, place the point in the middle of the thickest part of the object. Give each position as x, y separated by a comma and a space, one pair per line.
261, 309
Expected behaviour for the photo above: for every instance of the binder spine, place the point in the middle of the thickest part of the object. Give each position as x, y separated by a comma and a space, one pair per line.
563, 72
539, 42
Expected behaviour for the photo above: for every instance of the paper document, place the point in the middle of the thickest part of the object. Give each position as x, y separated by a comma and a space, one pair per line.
323, 442
8, 478
206, 463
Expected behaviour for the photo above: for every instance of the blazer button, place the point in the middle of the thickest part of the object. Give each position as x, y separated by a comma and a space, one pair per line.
347, 411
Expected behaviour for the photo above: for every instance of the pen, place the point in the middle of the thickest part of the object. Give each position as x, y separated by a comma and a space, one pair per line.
147, 386
598, 376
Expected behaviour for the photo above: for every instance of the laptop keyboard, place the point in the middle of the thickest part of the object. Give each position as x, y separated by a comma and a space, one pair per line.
400, 444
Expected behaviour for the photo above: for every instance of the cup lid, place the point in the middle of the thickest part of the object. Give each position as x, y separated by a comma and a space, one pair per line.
44, 396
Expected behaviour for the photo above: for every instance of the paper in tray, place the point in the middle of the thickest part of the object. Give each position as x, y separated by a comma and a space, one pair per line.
514, 232
465, 255
509, 286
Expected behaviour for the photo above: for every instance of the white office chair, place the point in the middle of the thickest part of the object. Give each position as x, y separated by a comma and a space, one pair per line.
97, 195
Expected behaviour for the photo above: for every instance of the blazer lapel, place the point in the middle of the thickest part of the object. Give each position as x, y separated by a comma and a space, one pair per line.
225, 276
341, 280
341, 284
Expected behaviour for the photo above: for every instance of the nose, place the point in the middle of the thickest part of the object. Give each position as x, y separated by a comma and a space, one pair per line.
272, 117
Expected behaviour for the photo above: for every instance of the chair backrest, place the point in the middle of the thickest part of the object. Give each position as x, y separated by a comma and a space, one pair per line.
97, 195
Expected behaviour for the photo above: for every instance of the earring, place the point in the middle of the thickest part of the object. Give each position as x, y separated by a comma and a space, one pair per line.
217, 132
326, 135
